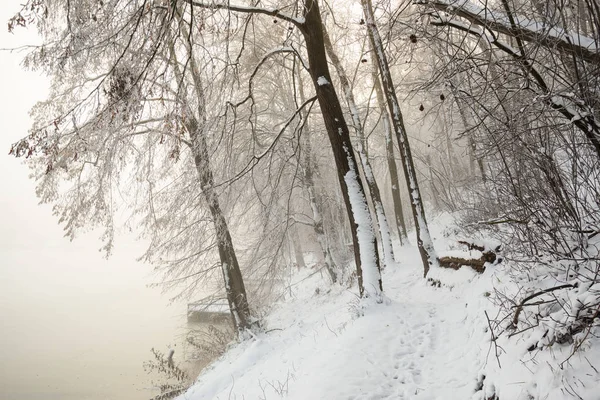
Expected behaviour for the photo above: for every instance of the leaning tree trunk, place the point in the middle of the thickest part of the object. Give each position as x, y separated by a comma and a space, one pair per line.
384, 230
391, 158
424, 242
315, 204
318, 215
232, 275
363, 238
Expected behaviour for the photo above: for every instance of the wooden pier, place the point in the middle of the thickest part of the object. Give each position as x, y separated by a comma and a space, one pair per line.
208, 311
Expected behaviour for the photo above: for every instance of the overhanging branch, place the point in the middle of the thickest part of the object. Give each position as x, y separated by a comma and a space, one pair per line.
583, 120
524, 29
299, 22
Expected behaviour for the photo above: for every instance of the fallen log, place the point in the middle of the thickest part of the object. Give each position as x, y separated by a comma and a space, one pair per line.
478, 264
455, 263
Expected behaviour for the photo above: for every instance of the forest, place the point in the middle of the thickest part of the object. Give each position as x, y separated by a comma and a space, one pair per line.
249, 141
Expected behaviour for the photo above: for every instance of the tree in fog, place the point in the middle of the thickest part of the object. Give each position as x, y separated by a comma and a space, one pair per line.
424, 241
523, 77
145, 103
125, 129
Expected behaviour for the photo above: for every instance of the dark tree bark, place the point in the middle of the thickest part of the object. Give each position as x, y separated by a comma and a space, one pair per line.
424, 241
378, 212
309, 169
365, 249
232, 275
391, 158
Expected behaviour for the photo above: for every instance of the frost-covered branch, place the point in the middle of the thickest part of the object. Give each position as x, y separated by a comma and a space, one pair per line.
581, 118
525, 29
299, 22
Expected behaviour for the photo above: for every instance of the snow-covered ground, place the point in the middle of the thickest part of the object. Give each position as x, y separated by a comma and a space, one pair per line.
422, 343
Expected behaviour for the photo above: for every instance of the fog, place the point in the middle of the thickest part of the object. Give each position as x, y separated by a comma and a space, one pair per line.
74, 325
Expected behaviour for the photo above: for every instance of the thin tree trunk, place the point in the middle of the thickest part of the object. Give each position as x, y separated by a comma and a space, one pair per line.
384, 230
435, 194
391, 158
452, 161
315, 205
424, 241
363, 237
297, 247
232, 275
472, 146
318, 221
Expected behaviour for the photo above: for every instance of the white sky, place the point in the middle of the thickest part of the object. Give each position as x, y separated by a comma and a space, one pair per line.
62, 305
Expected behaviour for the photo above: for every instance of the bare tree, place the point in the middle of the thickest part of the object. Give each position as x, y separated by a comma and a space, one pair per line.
424, 242
379, 212
136, 67
389, 148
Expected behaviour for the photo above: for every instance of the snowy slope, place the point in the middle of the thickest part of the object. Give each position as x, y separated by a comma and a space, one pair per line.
423, 343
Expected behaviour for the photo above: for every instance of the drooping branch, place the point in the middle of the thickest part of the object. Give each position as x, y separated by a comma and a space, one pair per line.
583, 120
524, 29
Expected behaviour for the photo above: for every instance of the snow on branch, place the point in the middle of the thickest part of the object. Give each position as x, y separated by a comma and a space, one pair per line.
526, 29
299, 22
583, 119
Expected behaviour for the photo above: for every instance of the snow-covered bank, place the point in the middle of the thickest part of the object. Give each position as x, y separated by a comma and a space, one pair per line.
423, 343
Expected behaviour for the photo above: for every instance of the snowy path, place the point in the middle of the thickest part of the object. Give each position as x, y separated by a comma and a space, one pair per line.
420, 349
424, 345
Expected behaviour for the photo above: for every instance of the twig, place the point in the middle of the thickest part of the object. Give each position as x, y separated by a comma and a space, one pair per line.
493, 338
274, 329
532, 296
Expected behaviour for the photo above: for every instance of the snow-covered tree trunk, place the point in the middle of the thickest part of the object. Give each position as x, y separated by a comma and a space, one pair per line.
315, 204
424, 242
384, 230
363, 238
391, 158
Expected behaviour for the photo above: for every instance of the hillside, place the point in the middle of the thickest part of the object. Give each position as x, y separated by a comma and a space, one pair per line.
423, 343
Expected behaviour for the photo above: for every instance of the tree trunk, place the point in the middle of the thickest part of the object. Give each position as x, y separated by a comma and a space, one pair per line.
424, 241
297, 247
363, 238
472, 146
318, 222
384, 230
232, 275
391, 158
435, 194
315, 204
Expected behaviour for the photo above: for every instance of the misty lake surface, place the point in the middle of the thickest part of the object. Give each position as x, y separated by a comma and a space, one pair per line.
78, 327
73, 325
